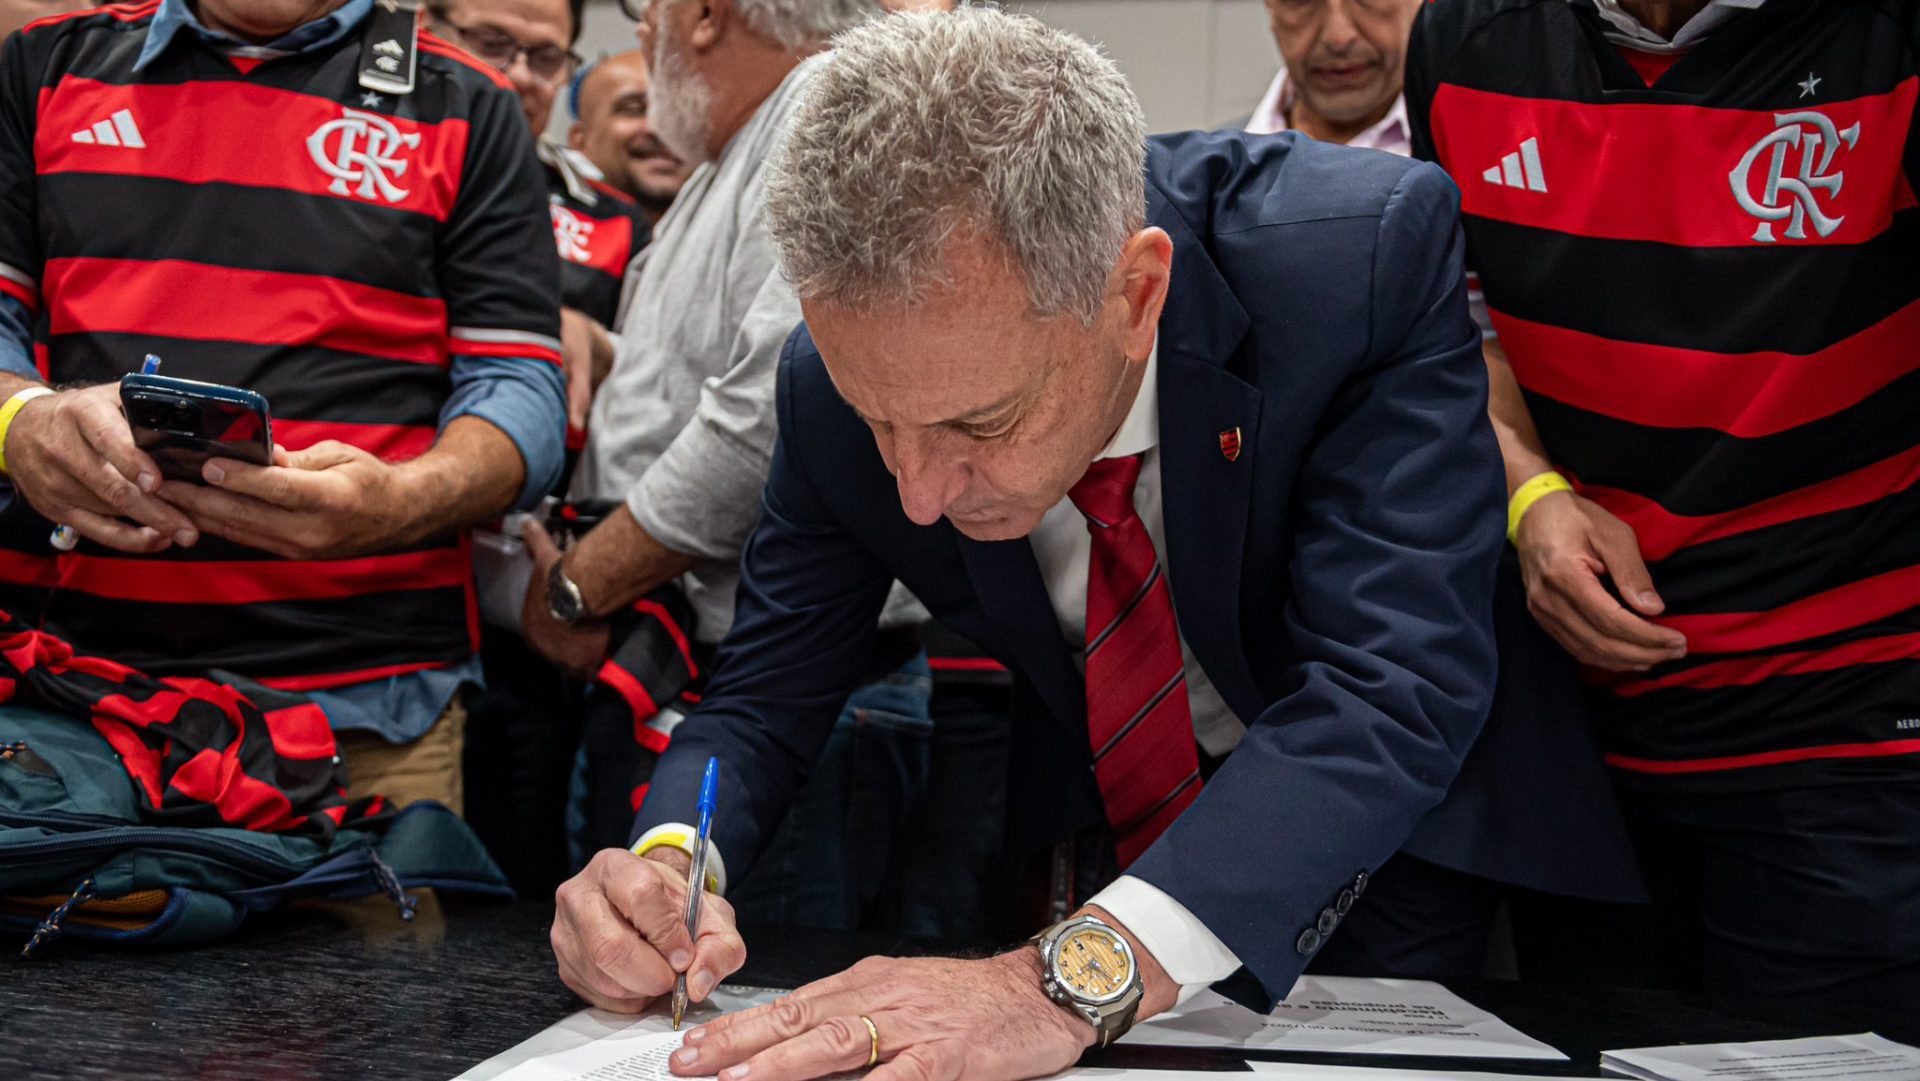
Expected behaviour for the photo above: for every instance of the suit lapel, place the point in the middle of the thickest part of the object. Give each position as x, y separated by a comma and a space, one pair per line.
1209, 425
1006, 579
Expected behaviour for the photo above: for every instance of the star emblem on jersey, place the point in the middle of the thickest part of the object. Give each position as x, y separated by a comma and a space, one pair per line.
1793, 196
116, 130
361, 152
371, 100
1807, 87
1519, 169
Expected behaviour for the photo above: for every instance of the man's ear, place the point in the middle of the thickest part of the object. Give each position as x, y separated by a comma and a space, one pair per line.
1142, 275
715, 18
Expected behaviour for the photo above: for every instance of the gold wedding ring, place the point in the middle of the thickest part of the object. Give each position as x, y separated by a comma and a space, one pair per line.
873, 1056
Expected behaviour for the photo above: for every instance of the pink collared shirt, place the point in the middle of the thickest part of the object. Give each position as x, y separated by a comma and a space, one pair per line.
1391, 134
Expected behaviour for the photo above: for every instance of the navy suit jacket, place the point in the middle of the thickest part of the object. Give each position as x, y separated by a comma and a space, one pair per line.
1335, 579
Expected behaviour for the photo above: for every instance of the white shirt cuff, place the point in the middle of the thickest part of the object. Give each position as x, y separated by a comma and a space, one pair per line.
1176, 938
681, 836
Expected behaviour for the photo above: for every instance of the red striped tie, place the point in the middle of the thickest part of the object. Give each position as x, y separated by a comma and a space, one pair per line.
1138, 721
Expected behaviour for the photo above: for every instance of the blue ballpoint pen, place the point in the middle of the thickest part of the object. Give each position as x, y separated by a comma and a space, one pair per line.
697, 877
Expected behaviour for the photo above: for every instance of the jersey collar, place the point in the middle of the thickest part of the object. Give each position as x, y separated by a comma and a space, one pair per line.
175, 15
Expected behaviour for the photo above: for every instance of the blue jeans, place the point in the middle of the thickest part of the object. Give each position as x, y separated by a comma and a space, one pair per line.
827, 862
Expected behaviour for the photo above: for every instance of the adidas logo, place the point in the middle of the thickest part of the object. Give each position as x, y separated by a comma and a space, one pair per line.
1520, 169
117, 130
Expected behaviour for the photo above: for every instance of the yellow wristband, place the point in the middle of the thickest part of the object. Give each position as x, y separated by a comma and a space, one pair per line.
1533, 491
659, 838
12, 409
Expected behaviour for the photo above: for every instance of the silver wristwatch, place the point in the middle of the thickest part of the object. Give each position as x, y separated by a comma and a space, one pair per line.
564, 601
1088, 967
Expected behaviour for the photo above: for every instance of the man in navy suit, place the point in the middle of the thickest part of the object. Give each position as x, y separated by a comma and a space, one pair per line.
1193, 437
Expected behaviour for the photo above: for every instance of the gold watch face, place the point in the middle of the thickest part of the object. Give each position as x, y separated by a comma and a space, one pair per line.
1094, 963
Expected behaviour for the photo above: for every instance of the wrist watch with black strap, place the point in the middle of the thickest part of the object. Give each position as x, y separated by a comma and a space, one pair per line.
564, 601
1089, 968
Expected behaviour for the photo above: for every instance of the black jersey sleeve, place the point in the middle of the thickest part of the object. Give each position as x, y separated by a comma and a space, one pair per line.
21, 61
498, 268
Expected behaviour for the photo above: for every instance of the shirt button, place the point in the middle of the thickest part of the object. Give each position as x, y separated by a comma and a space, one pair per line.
1345, 903
1360, 883
1309, 941
1329, 919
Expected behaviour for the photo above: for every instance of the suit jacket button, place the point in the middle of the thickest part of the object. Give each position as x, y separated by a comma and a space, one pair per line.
1329, 919
1360, 883
1309, 941
1345, 903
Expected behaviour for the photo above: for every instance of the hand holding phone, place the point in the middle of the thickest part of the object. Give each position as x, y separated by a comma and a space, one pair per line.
181, 424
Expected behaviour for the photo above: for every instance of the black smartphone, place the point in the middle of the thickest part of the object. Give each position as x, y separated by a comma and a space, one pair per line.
181, 423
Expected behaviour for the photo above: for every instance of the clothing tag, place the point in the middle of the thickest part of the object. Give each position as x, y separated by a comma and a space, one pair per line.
389, 48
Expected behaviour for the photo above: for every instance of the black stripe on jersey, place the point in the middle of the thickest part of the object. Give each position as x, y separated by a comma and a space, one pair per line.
1896, 625
246, 228
1771, 567
1798, 299
300, 382
1700, 471
586, 289
1857, 704
377, 630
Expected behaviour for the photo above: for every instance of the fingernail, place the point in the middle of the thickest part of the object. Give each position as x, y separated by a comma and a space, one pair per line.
185, 538
686, 1057
215, 474
148, 482
700, 984
1651, 600
697, 1035
737, 1073
679, 959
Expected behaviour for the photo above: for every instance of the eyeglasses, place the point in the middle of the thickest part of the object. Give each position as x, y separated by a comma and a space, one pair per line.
548, 63
634, 9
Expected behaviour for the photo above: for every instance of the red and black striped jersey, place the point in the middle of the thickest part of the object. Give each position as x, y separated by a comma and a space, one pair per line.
597, 228
1706, 276
272, 225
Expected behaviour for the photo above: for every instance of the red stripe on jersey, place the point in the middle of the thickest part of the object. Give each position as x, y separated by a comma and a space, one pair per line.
1830, 612
326, 680
174, 299
1765, 758
1743, 394
1591, 167
1746, 671
674, 631
513, 350
25, 569
157, 581
259, 136
126, 13
21, 293
1649, 66
388, 442
1662, 532
438, 46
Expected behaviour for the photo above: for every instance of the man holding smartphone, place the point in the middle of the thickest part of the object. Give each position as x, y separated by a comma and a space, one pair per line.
338, 215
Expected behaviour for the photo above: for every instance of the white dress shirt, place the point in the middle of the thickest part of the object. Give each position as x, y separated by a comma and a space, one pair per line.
1192, 955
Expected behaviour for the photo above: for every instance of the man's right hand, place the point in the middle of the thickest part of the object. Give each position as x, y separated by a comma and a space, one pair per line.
1567, 544
72, 456
620, 932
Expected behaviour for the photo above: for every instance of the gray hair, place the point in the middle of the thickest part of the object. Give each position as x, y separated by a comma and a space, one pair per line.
977, 122
805, 24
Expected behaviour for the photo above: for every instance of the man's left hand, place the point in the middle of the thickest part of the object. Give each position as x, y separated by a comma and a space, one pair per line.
939, 1020
330, 501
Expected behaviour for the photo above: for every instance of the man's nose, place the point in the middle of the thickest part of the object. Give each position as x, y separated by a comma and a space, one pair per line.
929, 475
1338, 32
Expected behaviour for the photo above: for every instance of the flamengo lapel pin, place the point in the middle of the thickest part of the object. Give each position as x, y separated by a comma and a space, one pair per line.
1230, 444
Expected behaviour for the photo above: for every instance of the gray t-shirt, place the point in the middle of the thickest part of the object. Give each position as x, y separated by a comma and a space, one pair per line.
683, 427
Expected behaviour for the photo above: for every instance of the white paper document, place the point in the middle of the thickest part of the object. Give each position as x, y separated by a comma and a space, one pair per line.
1347, 1014
1865, 1057
591, 1039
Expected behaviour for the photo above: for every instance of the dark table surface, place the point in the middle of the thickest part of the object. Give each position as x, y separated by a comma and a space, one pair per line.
317, 997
